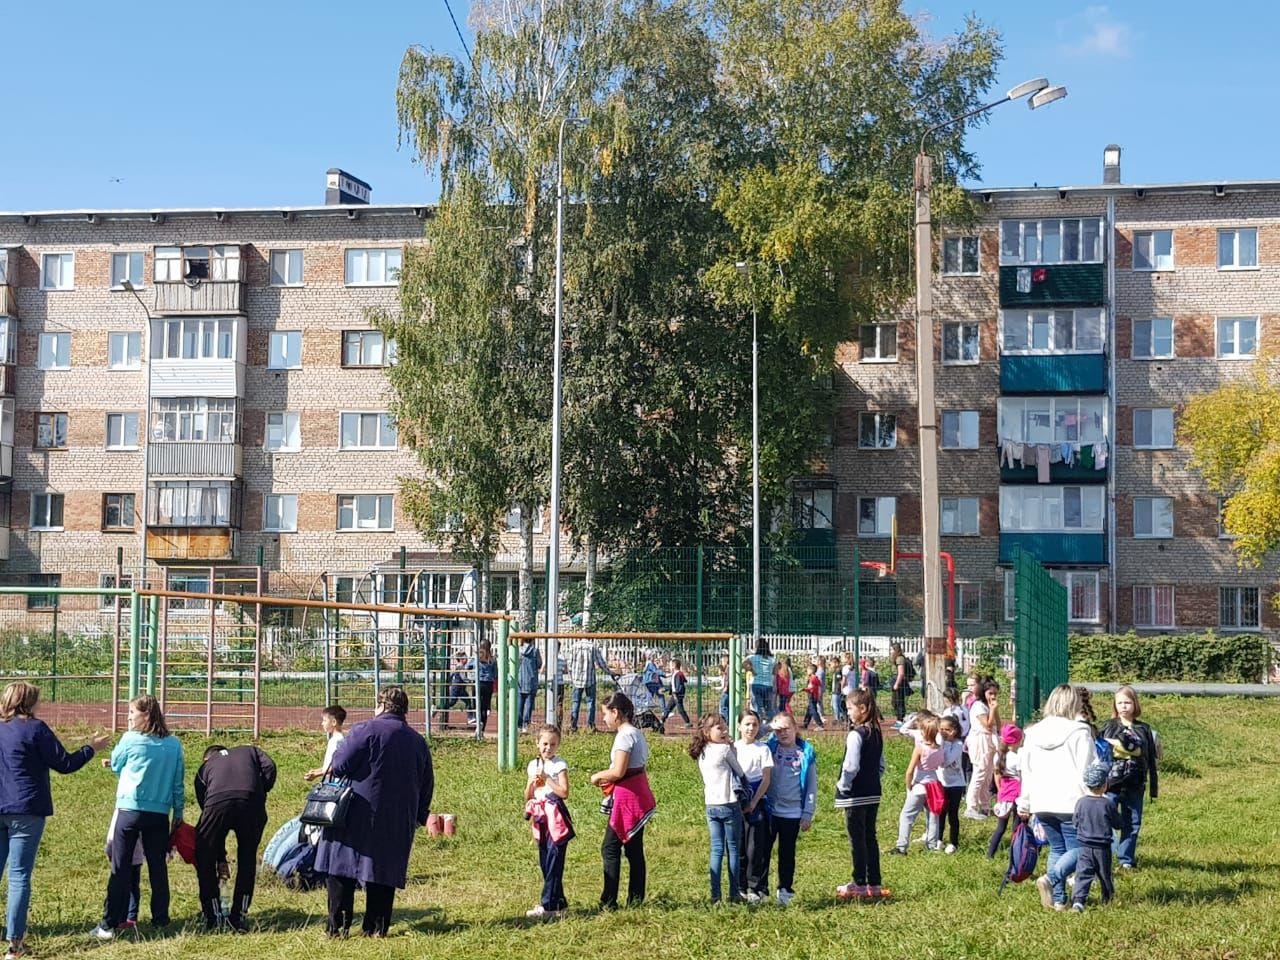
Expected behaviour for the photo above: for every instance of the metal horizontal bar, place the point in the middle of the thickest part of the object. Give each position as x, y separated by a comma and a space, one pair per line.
621, 635
250, 599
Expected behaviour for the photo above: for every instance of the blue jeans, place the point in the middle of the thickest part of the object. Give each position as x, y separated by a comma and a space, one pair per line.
724, 707
524, 715
762, 702
1064, 851
725, 823
590, 694
19, 839
1129, 804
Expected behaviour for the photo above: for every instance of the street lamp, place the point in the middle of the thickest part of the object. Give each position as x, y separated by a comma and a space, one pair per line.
145, 430
744, 270
553, 559
935, 646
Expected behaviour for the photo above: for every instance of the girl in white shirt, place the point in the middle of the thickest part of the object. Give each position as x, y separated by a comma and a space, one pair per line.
756, 760
721, 773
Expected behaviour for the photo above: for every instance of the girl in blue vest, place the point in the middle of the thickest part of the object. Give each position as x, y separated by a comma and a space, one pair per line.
858, 794
792, 797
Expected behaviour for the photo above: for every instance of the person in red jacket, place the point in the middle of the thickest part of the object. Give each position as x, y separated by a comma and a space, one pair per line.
813, 687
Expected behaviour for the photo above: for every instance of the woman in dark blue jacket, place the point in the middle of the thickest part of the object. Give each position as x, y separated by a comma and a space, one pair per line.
28, 751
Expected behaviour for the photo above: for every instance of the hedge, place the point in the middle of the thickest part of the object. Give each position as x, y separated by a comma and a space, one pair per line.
1188, 657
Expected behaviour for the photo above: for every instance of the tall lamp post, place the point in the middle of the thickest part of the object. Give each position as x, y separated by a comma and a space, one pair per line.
735, 658
553, 555
935, 644
145, 430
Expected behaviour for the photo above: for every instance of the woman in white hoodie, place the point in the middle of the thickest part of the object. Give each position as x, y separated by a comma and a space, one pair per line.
1054, 756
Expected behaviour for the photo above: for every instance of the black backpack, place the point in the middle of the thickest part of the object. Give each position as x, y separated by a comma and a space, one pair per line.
910, 669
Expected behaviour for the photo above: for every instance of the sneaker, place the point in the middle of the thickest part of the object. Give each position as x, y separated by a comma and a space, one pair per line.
537, 913
1126, 866
851, 891
1071, 881
101, 933
875, 890
933, 846
975, 815
1077, 908
16, 949
898, 851
754, 899
128, 924
237, 925
785, 896
1059, 907
1046, 891
949, 848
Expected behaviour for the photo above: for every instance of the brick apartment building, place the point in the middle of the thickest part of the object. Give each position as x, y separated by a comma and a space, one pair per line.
1076, 321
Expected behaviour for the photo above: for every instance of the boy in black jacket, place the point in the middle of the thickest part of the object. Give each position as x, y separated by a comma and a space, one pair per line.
231, 788
1095, 821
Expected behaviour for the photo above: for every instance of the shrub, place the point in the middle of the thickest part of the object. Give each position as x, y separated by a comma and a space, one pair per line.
1204, 657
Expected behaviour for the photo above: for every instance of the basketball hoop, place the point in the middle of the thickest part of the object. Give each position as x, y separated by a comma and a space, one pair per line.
893, 545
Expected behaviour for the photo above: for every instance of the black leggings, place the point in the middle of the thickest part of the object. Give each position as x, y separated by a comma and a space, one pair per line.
955, 797
753, 858
486, 702
611, 852
378, 900
785, 833
1001, 824
860, 824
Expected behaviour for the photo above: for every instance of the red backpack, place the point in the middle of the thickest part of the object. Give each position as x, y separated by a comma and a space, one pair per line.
1024, 854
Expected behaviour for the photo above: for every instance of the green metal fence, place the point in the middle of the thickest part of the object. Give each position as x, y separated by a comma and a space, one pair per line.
1040, 634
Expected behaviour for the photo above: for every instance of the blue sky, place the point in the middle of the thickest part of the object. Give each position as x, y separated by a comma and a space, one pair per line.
247, 104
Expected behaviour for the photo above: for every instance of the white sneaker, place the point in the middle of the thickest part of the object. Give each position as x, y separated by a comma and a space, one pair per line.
1071, 881
975, 815
753, 898
537, 913
101, 933
785, 896
950, 848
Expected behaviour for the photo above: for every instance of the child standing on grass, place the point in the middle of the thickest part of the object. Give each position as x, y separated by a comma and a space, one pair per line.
951, 776
679, 686
926, 759
782, 680
332, 718
1135, 747
813, 690
858, 794
545, 793
1008, 783
712, 747
835, 683
756, 760
792, 798
984, 730
135, 875
1095, 820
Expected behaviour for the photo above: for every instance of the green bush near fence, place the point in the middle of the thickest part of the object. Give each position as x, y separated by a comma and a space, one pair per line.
1187, 657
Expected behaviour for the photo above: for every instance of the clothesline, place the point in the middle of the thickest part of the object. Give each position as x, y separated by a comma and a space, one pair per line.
1015, 453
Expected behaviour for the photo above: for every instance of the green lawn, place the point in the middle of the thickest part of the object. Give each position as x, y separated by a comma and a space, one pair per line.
1209, 886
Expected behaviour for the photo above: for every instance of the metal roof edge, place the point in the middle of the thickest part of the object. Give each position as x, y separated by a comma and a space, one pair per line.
1121, 189
319, 210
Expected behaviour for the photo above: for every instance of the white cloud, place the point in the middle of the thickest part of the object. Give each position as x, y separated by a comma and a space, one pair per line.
1095, 32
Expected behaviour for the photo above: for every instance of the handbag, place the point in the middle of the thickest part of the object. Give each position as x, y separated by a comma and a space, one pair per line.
327, 804
935, 797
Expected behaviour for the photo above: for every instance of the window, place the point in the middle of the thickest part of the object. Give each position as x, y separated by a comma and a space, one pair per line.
46, 511
117, 511
51, 431
43, 601
192, 503
959, 343
280, 514
1082, 595
1052, 419
813, 509
196, 264
968, 602
124, 351
960, 429
1153, 605
284, 433
960, 516
6, 437
960, 255
8, 340
1153, 339
513, 520
4, 269
879, 342
1153, 250
1223, 532
367, 348
1153, 518
1238, 608
1153, 429
55, 351
1051, 509
122, 431
373, 267
286, 268
107, 581
1238, 249
1237, 338
364, 511
875, 516
58, 271
194, 420
126, 266
189, 583
1051, 331
1051, 241
368, 431
193, 338
285, 350
877, 431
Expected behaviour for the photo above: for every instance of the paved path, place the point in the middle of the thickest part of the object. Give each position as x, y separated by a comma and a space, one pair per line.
1192, 689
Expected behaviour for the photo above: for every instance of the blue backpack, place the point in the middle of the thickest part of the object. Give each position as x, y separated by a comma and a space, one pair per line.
1024, 854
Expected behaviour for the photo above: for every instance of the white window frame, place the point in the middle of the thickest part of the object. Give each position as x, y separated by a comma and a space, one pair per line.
178, 264
284, 350
1029, 320
1235, 233
960, 511
1150, 420
1223, 532
384, 422
133, 512
1146, 336
64, 274
360, 262
43, 520
1052, 502
878, 422
964, 424
4, 268
121, 420
122, 268
813, 508
1152, 510
199, 493
960, 328
1155, 262
886, 334
1236, 353
1041, 230
383, 512
107, 581
1238, 604
280, 513
8, 340
131, 353
1156, 595
194, 339
1012, 415
1068, 579
288, 424
958, 245
967, 591
193, 420
364, 342
54, 351
513, 520
53, 431
885, 509
283, 266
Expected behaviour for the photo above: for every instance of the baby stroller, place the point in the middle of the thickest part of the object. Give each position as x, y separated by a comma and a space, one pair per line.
632, 684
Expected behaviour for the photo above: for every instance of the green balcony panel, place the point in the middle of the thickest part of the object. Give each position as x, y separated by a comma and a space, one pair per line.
1062, 285
1058, 473
1054, 373
1056, 548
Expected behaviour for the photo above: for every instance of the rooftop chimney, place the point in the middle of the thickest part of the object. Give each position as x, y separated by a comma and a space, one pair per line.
1111, 163
342, 188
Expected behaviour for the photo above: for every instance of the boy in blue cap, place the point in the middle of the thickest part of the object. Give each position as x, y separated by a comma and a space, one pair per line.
1096, 819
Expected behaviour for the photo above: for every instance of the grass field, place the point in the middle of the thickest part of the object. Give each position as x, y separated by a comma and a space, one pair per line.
1209, 884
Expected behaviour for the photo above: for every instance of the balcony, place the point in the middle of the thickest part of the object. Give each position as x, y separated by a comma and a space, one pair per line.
1058, 473
194, 459
8, 302
1053, 373
1059, 285
6, 467
205, 297
4, 543
1056, 548
192, 543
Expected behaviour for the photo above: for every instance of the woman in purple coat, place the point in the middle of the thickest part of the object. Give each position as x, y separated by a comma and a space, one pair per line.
389, 766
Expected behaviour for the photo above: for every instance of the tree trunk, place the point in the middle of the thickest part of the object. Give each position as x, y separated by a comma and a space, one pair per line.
528, 606
589, 586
